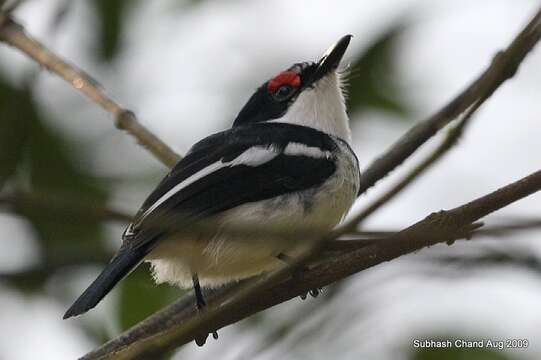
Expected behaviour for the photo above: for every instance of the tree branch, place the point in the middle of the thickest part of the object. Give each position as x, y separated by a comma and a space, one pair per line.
503, 67
450, 140
14, 34
55, 207
180, 322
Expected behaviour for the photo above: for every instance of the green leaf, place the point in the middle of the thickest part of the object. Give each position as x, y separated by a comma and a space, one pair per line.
111, 15
55, 171
49, 164
16, 113
141, 297
372, 78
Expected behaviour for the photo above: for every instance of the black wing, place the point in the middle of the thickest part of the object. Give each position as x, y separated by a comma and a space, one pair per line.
234, 185
229, 144
215, 182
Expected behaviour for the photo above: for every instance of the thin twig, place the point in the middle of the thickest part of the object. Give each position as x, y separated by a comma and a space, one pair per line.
53, 207
447, 144
14, 34
504, 229
503, 67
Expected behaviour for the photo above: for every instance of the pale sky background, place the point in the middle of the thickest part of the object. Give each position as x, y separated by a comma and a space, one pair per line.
186, 74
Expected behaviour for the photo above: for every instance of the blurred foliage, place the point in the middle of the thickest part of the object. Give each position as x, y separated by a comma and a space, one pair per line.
35, 156
455, 353
111, 14
372, 78
43, 161
53, 169
15, 118
140, 297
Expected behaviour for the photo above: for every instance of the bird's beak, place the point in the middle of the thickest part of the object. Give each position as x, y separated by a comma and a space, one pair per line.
331, 58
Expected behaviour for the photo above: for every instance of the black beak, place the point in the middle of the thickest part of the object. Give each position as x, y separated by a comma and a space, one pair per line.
331, 58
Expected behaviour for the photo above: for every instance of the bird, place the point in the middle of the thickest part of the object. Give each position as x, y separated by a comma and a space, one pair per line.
286, 162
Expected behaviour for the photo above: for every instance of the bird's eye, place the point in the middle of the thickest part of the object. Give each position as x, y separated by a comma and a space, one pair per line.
283, 92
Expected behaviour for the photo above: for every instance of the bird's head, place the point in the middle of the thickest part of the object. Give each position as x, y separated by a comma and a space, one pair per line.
308, 94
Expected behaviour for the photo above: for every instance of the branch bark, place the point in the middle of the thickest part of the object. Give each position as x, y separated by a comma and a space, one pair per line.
503, 67
180, 323
14, 34
447, 144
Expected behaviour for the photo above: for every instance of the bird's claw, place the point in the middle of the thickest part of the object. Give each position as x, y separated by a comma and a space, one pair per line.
313, 293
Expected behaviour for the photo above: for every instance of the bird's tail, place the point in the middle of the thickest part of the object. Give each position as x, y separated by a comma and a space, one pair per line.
117, 269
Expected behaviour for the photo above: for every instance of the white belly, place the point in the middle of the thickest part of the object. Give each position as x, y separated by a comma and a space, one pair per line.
225, 258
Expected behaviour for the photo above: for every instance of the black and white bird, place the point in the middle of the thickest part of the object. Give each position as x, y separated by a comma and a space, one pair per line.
286, 161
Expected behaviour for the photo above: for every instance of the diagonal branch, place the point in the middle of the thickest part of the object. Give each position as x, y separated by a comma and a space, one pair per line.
14, 34
450, 140
180, 323
503, 67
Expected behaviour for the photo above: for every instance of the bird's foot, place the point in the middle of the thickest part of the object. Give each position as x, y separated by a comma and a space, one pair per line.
202, 339
200, 302
201, 305
298, 274
297, 270
313, 293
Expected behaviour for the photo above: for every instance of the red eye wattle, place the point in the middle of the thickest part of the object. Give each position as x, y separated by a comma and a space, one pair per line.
290, 78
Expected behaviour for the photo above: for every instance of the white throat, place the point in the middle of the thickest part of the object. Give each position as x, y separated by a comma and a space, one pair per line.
322, 108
